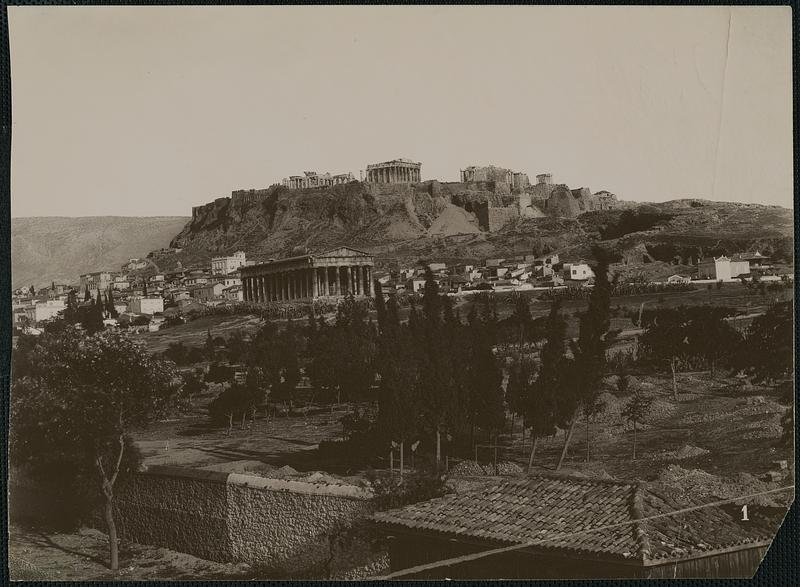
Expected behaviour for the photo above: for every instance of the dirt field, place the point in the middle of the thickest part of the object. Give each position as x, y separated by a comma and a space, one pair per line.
36, 555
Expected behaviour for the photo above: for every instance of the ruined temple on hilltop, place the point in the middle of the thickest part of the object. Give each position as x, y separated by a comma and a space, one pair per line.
515, 180
545, 198
313, 179
394, 171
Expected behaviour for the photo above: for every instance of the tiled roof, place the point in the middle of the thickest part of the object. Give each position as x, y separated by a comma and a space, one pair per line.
558, 510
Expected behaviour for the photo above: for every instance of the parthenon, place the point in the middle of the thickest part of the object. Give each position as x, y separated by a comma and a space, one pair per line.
395, 171
335, 273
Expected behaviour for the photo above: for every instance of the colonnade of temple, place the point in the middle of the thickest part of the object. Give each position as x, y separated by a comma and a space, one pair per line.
308, 283
400, 173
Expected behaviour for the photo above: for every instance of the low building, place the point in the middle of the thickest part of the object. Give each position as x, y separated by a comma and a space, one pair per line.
224, 265
97, 281
234, 278
134, 264
44, 310
180, 294
679, 279
145, 305
334, 273
416, 284
207, 292
195, 279
722, 268
576, 528
577, 271
233, 293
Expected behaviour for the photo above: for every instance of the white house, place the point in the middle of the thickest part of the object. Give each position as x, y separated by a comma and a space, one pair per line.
146, 305
225, 265
577, 271
210, 291
722, 268
44, 310
678, 279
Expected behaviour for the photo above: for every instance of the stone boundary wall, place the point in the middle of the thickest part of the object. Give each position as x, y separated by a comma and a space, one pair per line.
280, 524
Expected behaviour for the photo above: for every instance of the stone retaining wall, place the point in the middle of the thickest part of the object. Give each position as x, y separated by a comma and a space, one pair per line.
284, 525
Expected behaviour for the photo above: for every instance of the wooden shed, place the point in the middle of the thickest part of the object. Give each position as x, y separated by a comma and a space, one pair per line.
576, 528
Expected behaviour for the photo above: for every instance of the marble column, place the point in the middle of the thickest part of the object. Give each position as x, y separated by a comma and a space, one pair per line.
246, 287
315, 283
293, 285
348, 276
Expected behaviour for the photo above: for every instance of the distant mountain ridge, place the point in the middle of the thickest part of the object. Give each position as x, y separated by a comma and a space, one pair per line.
58, 248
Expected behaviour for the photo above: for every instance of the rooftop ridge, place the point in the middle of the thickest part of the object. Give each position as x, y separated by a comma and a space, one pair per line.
639, 531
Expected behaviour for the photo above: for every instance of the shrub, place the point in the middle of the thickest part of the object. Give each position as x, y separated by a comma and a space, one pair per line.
392, 491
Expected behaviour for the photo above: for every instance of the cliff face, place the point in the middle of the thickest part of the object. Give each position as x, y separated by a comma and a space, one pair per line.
277, 221
404, 223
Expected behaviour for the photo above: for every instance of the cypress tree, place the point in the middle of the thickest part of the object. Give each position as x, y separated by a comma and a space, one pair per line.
589, 351
87, 296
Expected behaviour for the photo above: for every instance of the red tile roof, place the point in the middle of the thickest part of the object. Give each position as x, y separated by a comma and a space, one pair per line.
559, 509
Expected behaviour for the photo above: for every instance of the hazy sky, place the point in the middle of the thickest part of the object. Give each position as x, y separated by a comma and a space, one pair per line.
151, 110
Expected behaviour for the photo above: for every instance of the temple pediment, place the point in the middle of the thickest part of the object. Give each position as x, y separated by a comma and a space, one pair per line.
342, 252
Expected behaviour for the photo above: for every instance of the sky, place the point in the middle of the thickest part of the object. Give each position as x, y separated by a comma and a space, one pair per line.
148, 111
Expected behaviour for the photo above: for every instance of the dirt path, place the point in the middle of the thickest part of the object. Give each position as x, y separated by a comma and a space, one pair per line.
82, 556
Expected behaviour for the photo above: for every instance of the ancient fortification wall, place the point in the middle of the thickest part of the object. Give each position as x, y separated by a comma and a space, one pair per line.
236, 517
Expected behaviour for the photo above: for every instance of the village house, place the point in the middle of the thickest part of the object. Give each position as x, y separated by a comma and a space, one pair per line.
437, 267
228, 264
678, 279
494, 262
233, 293
462, 269
180, 294
208, 291
417, 284
194, 279
722, 268
561, 527
546, 264
121, 283
233, 278
158, 278
134, 264
97, 281
145, 305
44, 310
577, 271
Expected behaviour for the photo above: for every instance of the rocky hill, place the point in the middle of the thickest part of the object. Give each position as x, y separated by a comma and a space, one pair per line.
404, 223
46, 249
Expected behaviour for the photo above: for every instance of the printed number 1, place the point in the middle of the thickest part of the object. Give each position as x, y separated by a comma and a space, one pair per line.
744, 514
